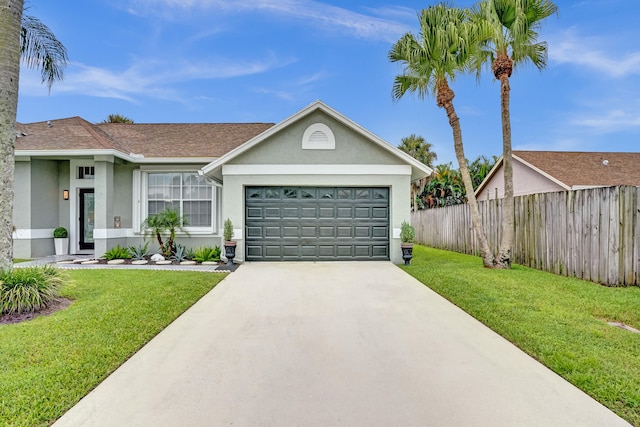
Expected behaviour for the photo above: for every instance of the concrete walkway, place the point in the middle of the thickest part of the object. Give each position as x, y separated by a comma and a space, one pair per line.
325, 344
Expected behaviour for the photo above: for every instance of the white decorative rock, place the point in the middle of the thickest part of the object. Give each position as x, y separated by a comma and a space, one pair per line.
210, 263
187, 263
164, 262
157, 257
139, 262
115, 261
91, 261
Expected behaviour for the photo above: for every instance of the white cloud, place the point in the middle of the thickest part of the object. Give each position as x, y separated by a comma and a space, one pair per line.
595, 53
310, 12
610, 121
146, 78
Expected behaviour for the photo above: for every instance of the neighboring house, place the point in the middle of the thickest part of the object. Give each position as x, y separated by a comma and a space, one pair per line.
548, 171
315, 186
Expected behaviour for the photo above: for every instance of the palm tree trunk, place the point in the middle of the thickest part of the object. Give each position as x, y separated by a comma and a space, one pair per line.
506, 241
10, 26
445, 99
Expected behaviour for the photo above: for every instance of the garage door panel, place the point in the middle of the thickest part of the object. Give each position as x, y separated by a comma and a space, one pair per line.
254, 232
344, 231
291, 232
361, 213
307, 231
293, 213
272, 232
326, 231
379, 213
309, 223
326, 212
362, 232
344, 212
381, 232
308, 212
254, 213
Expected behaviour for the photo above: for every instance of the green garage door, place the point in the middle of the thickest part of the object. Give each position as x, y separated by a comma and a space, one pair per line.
317, 223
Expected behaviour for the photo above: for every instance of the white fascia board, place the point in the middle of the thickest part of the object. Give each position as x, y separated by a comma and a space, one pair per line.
587, 187
543, 173
318, 105
178, 160
131, 158
332, 169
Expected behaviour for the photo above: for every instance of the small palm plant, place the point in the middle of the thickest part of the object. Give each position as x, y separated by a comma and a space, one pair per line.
168, 222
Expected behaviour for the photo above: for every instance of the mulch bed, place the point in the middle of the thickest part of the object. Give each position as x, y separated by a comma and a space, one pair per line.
56, 305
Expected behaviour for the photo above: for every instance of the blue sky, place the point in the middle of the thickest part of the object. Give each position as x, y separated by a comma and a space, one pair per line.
171, 61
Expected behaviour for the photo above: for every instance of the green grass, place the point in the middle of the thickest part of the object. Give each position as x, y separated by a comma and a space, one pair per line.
49, 363
19, 260
559, 321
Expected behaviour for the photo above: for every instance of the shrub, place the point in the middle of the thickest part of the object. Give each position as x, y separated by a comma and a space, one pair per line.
117, 252
60, 233
189, 254
139, 252
407, 233
227, 230
207, 254
28, 289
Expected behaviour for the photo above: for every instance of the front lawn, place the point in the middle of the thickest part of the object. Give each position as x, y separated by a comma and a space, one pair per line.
560, 321
49, 363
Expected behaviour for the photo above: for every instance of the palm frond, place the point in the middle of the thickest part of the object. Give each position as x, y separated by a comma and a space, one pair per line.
40, 49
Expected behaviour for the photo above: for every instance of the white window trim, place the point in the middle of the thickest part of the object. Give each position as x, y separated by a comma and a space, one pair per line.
141, 205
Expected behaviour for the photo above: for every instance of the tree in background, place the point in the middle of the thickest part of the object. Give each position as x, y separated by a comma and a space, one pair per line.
441, 51
30, 40
418, 148
117, 118
513, 26
445, 186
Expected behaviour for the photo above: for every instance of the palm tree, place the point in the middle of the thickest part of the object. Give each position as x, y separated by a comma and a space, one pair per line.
168, 221
440, 52
418, 148
19, 38
117, 118
513, 40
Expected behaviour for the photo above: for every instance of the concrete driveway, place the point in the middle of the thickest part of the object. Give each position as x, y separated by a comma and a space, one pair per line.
325, 344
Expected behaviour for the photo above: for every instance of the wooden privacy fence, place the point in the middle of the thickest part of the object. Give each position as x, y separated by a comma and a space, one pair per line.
592, 234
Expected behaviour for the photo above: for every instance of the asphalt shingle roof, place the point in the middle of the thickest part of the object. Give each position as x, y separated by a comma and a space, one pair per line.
586, 168
151, 140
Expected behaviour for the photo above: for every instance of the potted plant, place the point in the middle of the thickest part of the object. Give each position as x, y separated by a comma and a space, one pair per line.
61, 240
229, 245
407, 236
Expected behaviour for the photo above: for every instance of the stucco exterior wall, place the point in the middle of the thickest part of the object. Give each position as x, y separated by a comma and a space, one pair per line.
22, 209
525, 181
285, 147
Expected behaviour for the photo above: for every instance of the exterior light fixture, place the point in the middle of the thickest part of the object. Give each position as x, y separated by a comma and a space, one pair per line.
65, 194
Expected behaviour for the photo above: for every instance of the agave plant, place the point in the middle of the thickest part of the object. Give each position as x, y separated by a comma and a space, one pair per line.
139, 252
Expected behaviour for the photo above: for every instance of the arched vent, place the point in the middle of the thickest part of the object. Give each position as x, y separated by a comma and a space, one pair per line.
318, 136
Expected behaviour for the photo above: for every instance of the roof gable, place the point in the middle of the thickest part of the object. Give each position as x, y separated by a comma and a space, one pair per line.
419, 170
